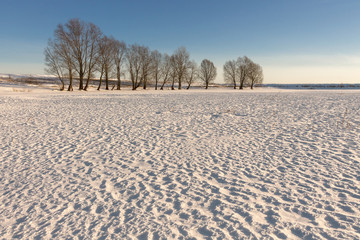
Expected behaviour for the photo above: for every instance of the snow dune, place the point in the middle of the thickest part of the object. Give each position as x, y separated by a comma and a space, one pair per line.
180, 165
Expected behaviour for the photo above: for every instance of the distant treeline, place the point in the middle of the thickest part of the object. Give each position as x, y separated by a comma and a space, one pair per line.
79, 50
314, 86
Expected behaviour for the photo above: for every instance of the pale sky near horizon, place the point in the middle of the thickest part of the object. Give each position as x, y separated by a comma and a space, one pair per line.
297, 41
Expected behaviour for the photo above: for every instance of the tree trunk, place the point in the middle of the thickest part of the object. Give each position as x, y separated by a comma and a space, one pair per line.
179, 84
81, 76
136, 85
190, 82
106, 80
173, 83
100, 80
241, 85
133, 83
88, 77
162, 86
118, 77
118, 84
62, 85
70, 88
144, 84
81, 82
87, 83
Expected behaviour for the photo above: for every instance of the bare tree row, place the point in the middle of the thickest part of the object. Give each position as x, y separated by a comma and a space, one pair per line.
80, 50
242, 72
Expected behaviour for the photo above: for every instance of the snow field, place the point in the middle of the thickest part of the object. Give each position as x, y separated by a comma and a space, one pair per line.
180, 165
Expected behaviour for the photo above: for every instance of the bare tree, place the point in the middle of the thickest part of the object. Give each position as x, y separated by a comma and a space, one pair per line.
53, 63
64, 52
255, 74
79, 49
75, 34
166, 70
119, 52
230, 72
95, 35
156, 64
139, 65
191, 74
173, 72
181, 60
207, 72
80, 38
100, 68
106, 46
60, 47
75, 45
242, 70
134, 66
146, 65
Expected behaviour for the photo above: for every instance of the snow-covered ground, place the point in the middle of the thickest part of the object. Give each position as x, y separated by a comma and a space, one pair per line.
219, 164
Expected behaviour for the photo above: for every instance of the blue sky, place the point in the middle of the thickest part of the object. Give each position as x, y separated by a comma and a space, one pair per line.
295, 41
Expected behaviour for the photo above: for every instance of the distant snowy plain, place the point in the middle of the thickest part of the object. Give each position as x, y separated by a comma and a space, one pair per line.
224, 164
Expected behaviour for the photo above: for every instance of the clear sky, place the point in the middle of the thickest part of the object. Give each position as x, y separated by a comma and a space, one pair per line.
296, 41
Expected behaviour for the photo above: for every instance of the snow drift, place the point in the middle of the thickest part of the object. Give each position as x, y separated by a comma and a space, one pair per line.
187, 165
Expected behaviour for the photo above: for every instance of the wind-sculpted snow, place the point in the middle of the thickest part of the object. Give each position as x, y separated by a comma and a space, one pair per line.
180, 165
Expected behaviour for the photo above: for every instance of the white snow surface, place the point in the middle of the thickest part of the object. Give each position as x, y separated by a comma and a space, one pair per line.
224, 164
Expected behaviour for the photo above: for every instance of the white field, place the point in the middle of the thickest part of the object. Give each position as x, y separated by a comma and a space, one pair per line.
196, 164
